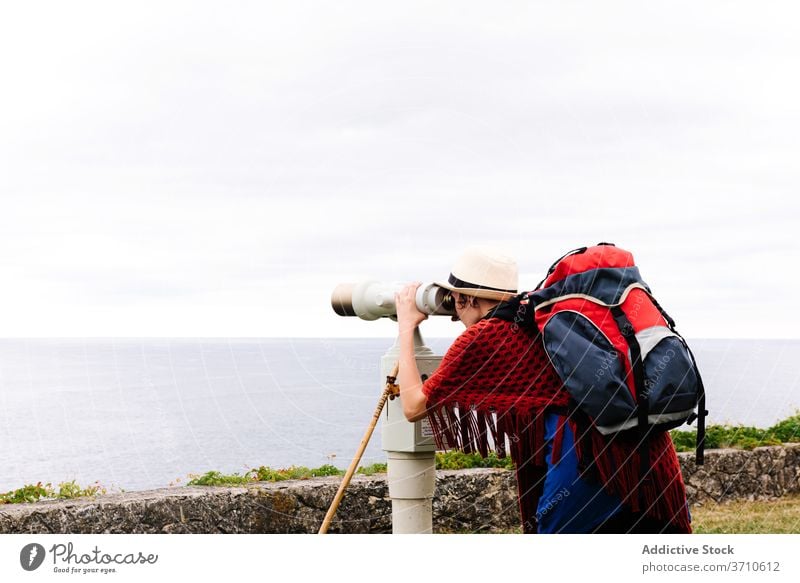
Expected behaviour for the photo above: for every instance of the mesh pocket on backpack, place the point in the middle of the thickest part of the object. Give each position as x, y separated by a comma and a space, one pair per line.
670, 379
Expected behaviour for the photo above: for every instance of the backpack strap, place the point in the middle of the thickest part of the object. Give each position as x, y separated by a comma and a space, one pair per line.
519, 310
701, 425
702, 412
577, 251
642, 401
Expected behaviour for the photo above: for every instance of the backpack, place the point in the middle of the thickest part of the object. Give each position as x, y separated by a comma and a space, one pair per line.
613, 346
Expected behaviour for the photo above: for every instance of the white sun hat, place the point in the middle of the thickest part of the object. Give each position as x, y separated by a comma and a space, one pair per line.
484, 272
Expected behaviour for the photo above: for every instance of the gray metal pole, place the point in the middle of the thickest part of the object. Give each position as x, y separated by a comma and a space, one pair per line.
410, 452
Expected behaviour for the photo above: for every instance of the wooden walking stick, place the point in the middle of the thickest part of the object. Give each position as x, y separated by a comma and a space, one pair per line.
391, 389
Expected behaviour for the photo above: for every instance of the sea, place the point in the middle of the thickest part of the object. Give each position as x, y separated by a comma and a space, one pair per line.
137, 414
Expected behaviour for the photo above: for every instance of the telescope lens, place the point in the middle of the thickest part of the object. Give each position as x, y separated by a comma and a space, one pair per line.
342, 299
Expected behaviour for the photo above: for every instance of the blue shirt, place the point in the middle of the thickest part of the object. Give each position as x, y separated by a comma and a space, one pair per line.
570, 504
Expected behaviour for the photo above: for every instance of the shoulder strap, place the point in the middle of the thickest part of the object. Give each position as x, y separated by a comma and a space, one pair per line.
518, 309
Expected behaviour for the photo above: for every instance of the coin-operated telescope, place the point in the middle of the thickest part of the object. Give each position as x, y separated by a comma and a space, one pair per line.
409, 446
370, 300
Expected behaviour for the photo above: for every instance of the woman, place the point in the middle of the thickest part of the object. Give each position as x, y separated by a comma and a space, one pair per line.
496, 382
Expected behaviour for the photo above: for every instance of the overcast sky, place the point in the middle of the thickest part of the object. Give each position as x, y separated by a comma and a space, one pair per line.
216, 168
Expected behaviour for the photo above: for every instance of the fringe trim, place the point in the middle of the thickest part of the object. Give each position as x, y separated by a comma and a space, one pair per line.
478, 430
613, 462
610, 461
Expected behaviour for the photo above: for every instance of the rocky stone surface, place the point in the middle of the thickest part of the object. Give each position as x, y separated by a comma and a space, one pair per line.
731, 474
467, 500
478, 500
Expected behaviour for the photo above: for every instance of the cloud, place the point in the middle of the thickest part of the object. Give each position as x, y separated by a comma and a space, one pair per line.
165, 171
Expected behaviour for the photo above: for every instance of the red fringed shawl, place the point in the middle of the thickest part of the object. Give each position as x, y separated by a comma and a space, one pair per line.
492, 390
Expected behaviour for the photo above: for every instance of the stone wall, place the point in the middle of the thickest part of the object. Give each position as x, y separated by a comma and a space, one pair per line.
733, 474
466, 500
478, 500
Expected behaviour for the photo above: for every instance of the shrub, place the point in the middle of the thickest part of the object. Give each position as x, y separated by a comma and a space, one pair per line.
34, 493
740, 436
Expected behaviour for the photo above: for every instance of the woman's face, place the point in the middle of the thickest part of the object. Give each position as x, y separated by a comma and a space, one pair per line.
466, 309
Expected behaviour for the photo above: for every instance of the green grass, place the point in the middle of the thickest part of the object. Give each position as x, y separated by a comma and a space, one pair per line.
214, 478
780, 516
35, 493
452, 460
740, 436
267, 474
456, 460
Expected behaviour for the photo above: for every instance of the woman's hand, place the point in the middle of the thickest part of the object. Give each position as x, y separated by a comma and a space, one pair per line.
408, 316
